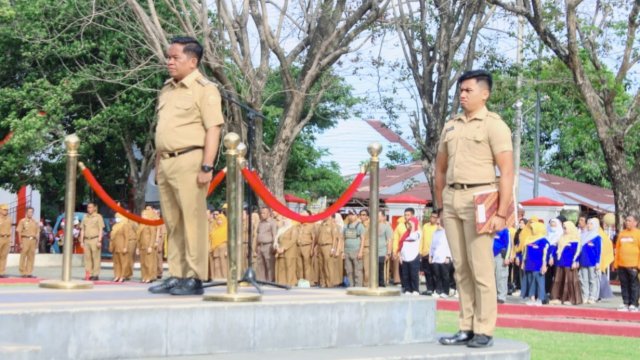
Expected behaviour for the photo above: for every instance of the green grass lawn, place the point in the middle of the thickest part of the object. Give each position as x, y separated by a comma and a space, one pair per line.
547, 345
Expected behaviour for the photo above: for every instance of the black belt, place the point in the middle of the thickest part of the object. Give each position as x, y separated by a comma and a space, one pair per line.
91, 238
167, 155
457, 186
3, 235
29, 237
265, 243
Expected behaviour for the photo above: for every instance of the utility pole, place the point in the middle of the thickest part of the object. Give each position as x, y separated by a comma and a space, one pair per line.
517, 135
536, 161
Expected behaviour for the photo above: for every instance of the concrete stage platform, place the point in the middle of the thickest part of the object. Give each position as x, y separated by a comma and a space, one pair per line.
124, 321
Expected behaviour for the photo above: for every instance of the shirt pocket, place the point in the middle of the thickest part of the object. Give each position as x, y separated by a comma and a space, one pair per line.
477, 146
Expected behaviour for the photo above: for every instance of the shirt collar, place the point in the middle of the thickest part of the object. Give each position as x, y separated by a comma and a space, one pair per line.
187, 81
480, 115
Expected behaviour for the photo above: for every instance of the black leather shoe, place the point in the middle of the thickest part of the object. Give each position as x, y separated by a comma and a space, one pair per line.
165, 286
459, 338
189, 286
480, 341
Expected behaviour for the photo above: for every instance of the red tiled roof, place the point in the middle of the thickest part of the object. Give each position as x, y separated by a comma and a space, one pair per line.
570, 187
389, 134
541, 201
405, 198
294, 199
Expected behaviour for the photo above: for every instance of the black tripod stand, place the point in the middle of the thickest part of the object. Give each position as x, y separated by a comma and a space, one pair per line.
249, 275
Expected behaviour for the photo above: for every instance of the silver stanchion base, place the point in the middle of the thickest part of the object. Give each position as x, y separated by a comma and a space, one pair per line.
66, 285
232, 297
361, 291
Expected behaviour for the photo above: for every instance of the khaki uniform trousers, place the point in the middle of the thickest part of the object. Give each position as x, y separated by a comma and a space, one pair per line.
365, 266
218, 261
92, 256
473, 261
148, 264
27, 255
159, 261
286, 267
120, 261
325, 269
244, 261
5, 245
130, 258
395, 270
185, 214
265, 263
303, 263
337, 263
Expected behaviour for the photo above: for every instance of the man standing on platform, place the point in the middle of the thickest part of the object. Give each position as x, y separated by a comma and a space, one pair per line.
28, 232
400, 229
5, 238
328, 237
91, 240
266, 233
471, 145
187, 139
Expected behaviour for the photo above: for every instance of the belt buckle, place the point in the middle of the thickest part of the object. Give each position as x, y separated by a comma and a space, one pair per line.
457, 186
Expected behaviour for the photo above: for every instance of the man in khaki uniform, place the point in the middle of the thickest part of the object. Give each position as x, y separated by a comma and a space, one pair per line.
130, 233
187, 139
364, 218
5, 238
266, 232
328, 237
28, 231
471, 145
306, 243
91, 240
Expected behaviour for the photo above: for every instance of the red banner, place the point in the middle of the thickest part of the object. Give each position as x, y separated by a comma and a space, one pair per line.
261, 190
95, 185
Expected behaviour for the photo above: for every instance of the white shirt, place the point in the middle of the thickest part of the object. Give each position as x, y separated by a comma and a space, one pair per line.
411, 246
440, 247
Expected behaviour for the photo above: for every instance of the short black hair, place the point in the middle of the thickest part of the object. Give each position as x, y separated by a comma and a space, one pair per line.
364, 211
411, 210
480, 76
191, 46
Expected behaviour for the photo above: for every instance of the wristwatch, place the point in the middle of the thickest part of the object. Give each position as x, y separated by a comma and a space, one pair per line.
206, 168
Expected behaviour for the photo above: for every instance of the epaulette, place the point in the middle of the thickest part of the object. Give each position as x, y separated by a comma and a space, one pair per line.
204, 81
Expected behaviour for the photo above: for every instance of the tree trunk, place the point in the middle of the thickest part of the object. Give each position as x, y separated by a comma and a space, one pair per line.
624, 181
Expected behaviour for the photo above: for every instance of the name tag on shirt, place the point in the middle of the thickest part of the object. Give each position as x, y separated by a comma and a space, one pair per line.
626, 239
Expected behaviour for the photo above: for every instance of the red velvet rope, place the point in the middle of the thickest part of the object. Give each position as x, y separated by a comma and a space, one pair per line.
95, 185
261, 190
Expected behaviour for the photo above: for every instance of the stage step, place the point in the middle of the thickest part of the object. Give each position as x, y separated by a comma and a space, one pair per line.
502, 350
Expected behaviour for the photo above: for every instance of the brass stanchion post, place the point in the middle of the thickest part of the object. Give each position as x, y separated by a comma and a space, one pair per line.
234, 237
373, 290
242, 151
72, 142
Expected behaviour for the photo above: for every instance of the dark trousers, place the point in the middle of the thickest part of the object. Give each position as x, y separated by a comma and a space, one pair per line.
514, 277
381, 271
549, 276
629, 285
410, 275
441, 272
427, 269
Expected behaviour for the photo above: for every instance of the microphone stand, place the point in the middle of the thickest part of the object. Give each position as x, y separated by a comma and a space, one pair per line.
249, 275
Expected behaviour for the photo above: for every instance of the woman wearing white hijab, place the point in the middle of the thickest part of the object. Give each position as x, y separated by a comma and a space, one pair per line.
554, 233
591, 250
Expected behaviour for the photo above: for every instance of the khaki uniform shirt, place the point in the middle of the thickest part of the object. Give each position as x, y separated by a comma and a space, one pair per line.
28, 228
186, 110
118, 239
471, 145
327, 233
267, 231
92, 225
288, 239
5, 227
305, 236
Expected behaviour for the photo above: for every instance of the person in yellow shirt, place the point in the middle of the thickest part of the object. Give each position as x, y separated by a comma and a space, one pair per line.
218, 251
425, 246
627, 263
400, 229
